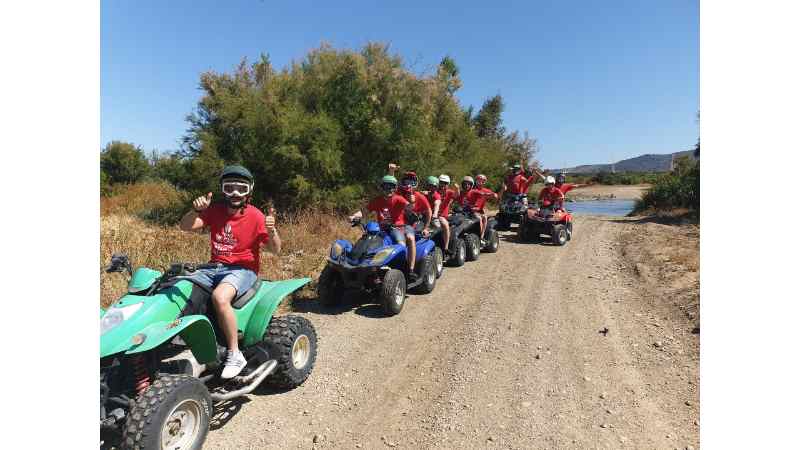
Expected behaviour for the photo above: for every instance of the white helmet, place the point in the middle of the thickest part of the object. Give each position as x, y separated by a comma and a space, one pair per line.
468, 179
549, 180
444, 178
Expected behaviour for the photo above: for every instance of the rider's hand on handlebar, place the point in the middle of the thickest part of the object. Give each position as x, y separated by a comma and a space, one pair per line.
202, 202
426, 232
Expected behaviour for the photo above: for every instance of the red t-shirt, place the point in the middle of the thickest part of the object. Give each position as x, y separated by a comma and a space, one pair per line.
421, 203
432, 197
518, 184
552, 195
480, 201
565, 187
472, 198
236, 239
444, 208
389, 209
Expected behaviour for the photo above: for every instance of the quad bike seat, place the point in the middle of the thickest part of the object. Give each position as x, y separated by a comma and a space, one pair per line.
242, 298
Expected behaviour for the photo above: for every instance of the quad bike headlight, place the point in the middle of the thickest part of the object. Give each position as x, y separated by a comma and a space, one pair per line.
115, 316
336, 250
382, 255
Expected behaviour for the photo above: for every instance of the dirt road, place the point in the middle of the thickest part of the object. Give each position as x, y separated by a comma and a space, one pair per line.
507, 352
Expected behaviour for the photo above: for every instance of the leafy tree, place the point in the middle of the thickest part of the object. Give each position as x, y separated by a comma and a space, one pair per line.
489, 121
122, 162
321, 131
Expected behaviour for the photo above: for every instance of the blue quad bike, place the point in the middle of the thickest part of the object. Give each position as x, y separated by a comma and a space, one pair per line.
377, 266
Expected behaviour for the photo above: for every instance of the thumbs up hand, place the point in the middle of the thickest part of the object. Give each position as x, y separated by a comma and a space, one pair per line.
202, 202
270, 220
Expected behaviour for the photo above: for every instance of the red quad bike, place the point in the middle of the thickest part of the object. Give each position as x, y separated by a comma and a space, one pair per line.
549, 220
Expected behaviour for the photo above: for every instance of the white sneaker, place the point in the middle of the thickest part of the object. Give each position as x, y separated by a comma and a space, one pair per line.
234, 364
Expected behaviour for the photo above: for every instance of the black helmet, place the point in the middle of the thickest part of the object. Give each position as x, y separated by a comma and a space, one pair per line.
236, 194
236, 171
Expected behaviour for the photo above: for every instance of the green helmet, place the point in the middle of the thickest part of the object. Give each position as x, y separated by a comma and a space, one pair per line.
433, 181
236, 171
388, 179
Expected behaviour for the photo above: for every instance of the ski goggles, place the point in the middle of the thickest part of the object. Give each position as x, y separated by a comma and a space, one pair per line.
236, 188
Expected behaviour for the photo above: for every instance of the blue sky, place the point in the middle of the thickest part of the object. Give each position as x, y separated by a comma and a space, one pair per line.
594, 81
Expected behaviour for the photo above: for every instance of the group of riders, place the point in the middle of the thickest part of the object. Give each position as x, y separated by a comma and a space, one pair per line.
403, 210
238, 230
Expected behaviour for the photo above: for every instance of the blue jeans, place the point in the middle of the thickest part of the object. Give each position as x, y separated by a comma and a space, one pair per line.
240, 278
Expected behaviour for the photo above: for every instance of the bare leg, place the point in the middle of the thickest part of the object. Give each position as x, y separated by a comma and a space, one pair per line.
411, 251
445, 232
221, 297
483, 224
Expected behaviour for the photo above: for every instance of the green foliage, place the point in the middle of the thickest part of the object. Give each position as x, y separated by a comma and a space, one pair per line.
122, 162
626, 178
678, 189
322, 131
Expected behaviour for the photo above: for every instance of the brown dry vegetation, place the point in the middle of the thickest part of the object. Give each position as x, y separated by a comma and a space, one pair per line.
306, 239
665, 252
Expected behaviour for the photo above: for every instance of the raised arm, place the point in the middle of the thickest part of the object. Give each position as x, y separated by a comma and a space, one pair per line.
191, 221
274, 243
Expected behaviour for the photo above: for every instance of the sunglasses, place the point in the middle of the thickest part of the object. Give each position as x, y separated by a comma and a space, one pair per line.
235, 188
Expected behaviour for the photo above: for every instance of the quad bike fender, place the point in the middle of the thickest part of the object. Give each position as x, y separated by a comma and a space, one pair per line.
275, 292
195, 330
339, 247
424, 248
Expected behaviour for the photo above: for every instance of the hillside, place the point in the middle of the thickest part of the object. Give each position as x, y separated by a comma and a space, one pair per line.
642, 163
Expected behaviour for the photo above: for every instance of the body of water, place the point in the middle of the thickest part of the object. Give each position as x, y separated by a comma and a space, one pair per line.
610, 207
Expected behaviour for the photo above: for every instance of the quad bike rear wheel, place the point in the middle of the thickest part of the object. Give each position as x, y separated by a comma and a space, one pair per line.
438, 259
292, 341
173, 413
427, 271
392, 295
330, 288
559, 235
569, 231
492, 241
459, 253
473, 246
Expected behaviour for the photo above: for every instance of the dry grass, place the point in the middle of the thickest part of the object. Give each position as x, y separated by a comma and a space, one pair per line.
306, 239
138, 198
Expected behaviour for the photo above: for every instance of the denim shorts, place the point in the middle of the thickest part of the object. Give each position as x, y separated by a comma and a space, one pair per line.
240, 278
399, 233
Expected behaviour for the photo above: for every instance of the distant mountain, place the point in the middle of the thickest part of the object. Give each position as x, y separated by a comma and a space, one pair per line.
642, 163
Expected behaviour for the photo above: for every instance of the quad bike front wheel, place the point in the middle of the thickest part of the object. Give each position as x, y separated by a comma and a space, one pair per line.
438, 260
473, 246
292, 341
492, 241
459, 253
427, 270
559, 235
392, 295
330, 287
172, 414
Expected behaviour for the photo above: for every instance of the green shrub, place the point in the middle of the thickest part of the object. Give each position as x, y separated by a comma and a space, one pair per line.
679, 189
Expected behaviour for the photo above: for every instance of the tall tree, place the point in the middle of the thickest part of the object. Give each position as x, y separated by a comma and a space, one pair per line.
123, 162
489, 120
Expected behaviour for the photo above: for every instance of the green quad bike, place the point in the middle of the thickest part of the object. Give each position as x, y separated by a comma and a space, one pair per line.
161, 354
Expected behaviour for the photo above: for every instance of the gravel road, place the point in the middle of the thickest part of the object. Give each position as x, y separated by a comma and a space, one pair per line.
533, 347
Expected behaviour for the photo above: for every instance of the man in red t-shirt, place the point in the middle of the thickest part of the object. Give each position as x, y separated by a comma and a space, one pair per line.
238, 230
484, 194
565, 187
516, 183
446, 197
389, 210
550, 196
